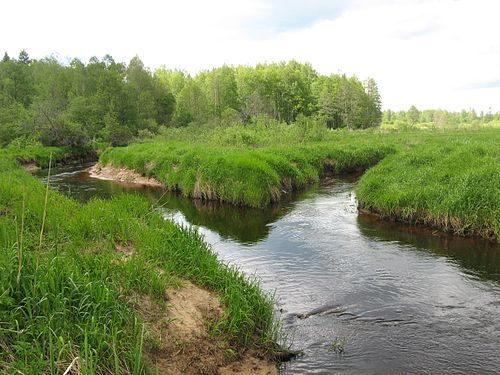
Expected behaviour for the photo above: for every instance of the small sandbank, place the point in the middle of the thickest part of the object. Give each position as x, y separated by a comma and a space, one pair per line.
109, 172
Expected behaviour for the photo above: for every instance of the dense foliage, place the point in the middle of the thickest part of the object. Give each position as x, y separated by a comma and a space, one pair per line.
74, 104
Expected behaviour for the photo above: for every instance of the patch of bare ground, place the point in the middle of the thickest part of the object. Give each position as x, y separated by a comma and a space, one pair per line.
109, 172
30, 167
249, 366
125, 250
179, 341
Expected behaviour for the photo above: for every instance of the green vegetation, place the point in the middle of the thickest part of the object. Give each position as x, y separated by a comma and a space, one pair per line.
79, 104
338, 345
252, 176
244, 135
437, 119
65, 288
448, 179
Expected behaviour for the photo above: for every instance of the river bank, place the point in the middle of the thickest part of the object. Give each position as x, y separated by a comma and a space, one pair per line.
253, 177
445, 179
118, 277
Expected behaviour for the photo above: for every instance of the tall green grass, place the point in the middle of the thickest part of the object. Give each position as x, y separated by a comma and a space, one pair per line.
450, 181
69, 297
249, 176
443, 178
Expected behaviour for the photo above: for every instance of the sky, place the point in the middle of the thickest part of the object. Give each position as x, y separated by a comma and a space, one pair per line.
428, 53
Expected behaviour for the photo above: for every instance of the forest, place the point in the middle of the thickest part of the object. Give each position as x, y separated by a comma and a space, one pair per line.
103, 100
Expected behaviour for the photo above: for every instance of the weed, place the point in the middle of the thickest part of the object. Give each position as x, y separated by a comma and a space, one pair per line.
338, 345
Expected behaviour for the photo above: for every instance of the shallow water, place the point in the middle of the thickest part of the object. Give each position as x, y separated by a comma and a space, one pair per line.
398, 299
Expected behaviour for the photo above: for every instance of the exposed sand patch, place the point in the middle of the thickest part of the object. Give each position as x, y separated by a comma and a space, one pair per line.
192, 307
108, 172
249, 366
30, 167
182, 343
125, 250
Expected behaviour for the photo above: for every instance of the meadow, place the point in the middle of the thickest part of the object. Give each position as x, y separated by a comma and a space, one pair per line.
445, 178
66, 287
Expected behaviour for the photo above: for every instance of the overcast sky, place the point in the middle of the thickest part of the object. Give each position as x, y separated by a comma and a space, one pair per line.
430, 53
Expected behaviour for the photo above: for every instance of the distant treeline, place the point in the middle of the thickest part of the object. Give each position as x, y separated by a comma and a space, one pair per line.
437, 117
74, 104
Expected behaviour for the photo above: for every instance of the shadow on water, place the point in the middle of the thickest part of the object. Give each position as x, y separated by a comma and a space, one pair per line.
244, 225
476, 256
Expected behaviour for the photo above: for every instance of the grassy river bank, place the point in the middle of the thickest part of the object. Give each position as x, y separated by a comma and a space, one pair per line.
101, 287
447, 179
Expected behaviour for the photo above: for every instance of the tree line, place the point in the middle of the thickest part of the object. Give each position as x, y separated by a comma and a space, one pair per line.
103, 100
437, 117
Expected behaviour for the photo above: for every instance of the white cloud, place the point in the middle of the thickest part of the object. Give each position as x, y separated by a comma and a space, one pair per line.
440, 53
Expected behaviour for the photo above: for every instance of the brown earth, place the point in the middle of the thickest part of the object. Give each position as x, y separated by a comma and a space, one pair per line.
109, 172
180, 342
30, 167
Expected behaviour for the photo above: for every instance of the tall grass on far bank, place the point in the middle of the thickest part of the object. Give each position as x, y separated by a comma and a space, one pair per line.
40, 155
252, 177
450, 181
70, 297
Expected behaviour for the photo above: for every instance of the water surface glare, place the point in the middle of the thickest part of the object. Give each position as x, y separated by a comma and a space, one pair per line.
399, 299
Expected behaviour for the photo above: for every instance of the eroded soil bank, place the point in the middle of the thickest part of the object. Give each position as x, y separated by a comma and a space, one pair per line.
109, 172
183, 344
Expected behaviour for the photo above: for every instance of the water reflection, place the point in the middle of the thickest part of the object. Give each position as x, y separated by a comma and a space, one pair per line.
477, 256
244, 225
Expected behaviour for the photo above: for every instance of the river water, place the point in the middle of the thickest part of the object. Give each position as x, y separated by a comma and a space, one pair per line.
381, 298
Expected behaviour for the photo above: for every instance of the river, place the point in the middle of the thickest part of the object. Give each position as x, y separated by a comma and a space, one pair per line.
390, 298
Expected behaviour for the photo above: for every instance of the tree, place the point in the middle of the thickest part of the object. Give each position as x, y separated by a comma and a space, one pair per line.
191, 104
413, 115
114, 132
24, 58
252, 95
220, 89
373, 105
16, 81
13, 116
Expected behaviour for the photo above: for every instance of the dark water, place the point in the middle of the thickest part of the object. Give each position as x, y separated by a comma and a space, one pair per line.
399, 299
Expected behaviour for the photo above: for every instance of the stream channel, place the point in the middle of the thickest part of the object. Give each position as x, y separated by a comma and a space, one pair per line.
379, 297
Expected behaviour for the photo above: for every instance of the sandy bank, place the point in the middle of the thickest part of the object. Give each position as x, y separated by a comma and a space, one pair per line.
184, 343
30, 167
109, 172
